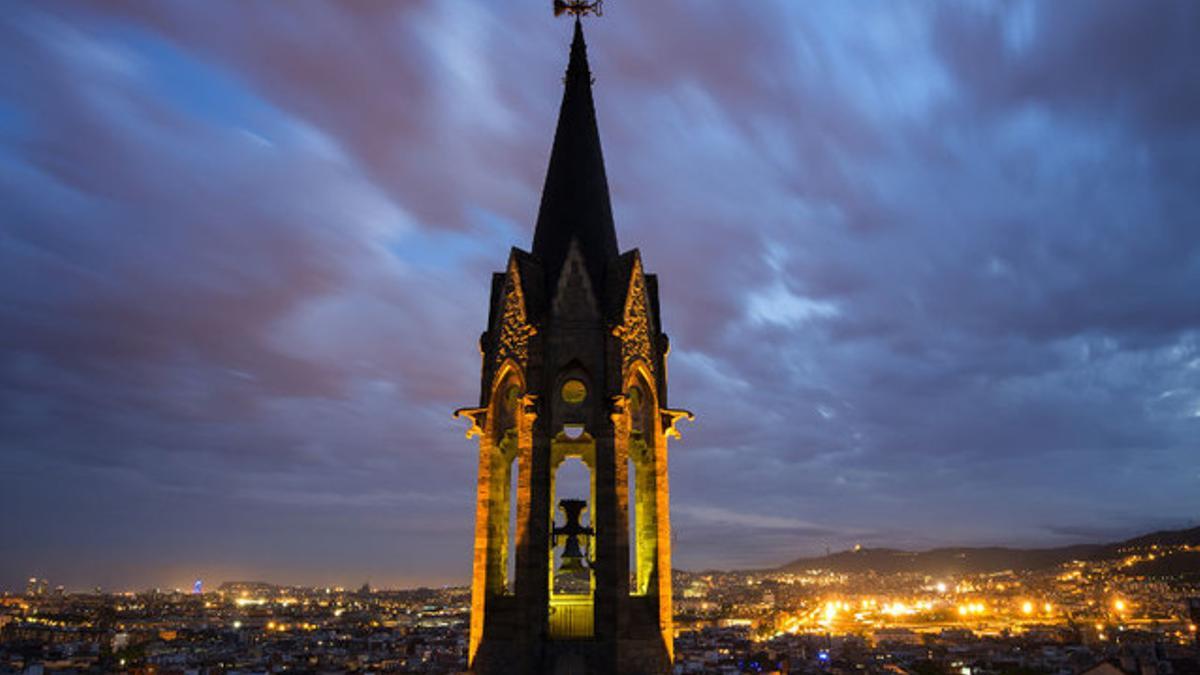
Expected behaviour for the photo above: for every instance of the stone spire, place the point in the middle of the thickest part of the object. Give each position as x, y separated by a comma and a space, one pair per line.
573, 367
575, 202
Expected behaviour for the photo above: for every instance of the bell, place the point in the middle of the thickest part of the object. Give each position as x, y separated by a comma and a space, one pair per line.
572, 554
572, 558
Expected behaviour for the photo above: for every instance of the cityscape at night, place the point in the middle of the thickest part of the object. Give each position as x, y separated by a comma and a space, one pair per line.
1135, 604
590, 337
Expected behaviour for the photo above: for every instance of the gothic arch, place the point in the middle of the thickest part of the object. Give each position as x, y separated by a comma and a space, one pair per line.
641, 399
504, 402
644, 451
503, 428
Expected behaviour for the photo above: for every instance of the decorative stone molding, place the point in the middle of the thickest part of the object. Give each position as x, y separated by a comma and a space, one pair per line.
671, 417
512, 341
574, 298
477, 416
634, 330
529, 408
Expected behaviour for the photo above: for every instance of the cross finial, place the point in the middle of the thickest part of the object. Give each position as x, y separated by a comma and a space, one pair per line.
578, 8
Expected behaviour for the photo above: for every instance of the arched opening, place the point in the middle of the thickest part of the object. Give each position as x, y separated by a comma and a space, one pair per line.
510, 570
572, 570
643, 491
572, 554
505, 468
631, 478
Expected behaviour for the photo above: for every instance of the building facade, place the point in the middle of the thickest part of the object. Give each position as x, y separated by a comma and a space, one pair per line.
574, 370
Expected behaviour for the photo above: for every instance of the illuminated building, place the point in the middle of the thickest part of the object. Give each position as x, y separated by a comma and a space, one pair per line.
1193, 605
36, 587
574, 368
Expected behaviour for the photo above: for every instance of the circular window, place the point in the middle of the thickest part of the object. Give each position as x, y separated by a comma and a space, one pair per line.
574, 391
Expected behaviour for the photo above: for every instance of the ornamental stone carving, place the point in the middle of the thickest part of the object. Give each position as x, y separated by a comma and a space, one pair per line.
512, 340
634, 330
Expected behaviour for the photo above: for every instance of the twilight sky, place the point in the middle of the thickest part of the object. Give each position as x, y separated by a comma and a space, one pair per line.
931, 273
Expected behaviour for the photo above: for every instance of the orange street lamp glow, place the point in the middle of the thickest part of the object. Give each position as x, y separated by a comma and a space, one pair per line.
1027, 608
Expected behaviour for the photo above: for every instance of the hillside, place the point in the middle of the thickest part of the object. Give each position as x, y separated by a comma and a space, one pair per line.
951, 561
1181, 566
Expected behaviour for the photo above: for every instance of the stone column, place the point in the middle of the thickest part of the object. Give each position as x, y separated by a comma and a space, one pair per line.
533, 550
483, 547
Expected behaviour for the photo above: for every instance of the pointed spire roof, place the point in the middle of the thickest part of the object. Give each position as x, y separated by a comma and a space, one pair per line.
575, 202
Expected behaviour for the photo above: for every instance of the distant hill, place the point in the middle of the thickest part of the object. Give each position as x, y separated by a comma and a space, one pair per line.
1182, 566
952, 561
1165, 538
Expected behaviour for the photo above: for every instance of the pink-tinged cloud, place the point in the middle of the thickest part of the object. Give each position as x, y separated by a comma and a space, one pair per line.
930, 273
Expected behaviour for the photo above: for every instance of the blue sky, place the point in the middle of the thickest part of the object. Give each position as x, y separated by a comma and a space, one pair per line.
931, 273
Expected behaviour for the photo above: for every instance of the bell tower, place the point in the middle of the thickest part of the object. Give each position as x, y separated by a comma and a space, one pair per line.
573, 579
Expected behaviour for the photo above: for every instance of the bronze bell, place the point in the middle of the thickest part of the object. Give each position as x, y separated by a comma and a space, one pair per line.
572, 559
573, 556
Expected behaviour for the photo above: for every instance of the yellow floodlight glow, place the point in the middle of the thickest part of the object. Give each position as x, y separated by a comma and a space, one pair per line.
1119, 605
1027, 608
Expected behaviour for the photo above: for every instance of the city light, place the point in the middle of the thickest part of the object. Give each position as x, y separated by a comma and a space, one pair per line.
972, 608
806, 612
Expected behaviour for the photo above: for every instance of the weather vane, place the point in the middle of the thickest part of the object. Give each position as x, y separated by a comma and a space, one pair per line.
578, 8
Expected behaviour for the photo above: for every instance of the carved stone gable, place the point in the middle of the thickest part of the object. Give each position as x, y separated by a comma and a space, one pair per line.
574, 299
634, 330
514, 331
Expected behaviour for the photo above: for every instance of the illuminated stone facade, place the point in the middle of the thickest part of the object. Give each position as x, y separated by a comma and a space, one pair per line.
574, 366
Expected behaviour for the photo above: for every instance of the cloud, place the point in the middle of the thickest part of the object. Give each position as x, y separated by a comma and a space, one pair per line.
929, 272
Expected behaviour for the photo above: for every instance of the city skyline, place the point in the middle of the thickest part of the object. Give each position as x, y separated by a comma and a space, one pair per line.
932, 274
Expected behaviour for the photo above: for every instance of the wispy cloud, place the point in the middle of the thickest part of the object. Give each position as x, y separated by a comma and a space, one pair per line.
929, 271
